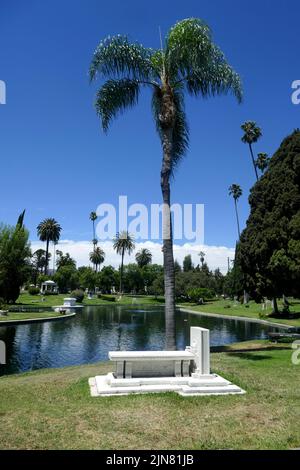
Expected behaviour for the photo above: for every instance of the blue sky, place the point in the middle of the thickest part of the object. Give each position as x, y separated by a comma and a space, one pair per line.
56, 162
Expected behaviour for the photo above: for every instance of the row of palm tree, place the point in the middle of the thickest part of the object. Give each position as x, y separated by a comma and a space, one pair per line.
252, 132
49, 230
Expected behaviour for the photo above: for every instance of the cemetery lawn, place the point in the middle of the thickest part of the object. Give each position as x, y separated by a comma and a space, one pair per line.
12, 316
26, 299
52, 408
254, 310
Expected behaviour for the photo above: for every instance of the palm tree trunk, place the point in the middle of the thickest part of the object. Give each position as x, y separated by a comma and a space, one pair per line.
47, 254
169, 273
237, 218
94, 235
121, 272
253, 161
275, 306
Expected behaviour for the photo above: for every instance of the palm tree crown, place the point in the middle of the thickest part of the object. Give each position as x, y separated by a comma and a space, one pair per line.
235, 191
49, 229
262, 161
188, 61
251, 132
251, 135
97, 257
143, 257
123, 243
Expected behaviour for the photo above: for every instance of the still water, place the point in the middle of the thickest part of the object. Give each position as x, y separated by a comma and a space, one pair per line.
94, 331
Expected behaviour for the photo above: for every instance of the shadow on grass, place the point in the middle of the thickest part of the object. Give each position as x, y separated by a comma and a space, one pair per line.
249, 356
228, 349
285, 316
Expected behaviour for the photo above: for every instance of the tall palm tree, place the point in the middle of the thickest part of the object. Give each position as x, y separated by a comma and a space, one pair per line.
123, 243
188, 61
48, 231
251, 135
236, 191
143, 257
262, 161
97, 257
93, 218
201, 254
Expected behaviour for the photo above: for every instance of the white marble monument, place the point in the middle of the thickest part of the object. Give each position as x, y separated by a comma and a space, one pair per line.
69, 306
185, 372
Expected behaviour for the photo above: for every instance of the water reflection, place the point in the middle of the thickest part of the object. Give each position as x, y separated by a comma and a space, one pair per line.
89, 336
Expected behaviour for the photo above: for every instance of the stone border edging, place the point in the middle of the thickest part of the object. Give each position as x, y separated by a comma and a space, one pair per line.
234, 317
35, 320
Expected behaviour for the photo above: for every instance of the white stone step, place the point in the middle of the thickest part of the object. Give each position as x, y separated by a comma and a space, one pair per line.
194, 391
213, 380
106, 391
148, 381
99, 386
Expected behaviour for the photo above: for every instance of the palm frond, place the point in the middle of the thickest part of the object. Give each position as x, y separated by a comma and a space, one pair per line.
194, 59
116, 56
180, 132
114, 97
218, 77
187, 47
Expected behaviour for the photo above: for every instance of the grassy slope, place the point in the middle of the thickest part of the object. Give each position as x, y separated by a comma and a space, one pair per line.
253, 311
28, 316
52, 409
50, 300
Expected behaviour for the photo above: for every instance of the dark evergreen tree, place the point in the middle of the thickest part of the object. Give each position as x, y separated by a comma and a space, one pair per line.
269, 251
14, 261
187, 263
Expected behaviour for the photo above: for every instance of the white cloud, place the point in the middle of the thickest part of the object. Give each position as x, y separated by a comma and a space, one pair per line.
215, 256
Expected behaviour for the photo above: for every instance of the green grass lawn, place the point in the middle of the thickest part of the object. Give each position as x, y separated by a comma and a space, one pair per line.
52, 409
12, 316
51, 300
253, 310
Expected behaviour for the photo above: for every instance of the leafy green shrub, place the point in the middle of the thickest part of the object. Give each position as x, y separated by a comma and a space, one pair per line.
78, 295
32, 290
106, 297
198, 293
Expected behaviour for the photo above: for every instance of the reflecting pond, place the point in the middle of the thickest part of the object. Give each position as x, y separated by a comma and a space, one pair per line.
94, 331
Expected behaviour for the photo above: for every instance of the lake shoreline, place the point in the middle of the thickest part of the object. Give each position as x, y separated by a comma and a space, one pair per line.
235, 317
36, 320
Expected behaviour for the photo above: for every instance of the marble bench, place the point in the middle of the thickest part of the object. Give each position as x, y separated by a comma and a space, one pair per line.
132, 364
185, 372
